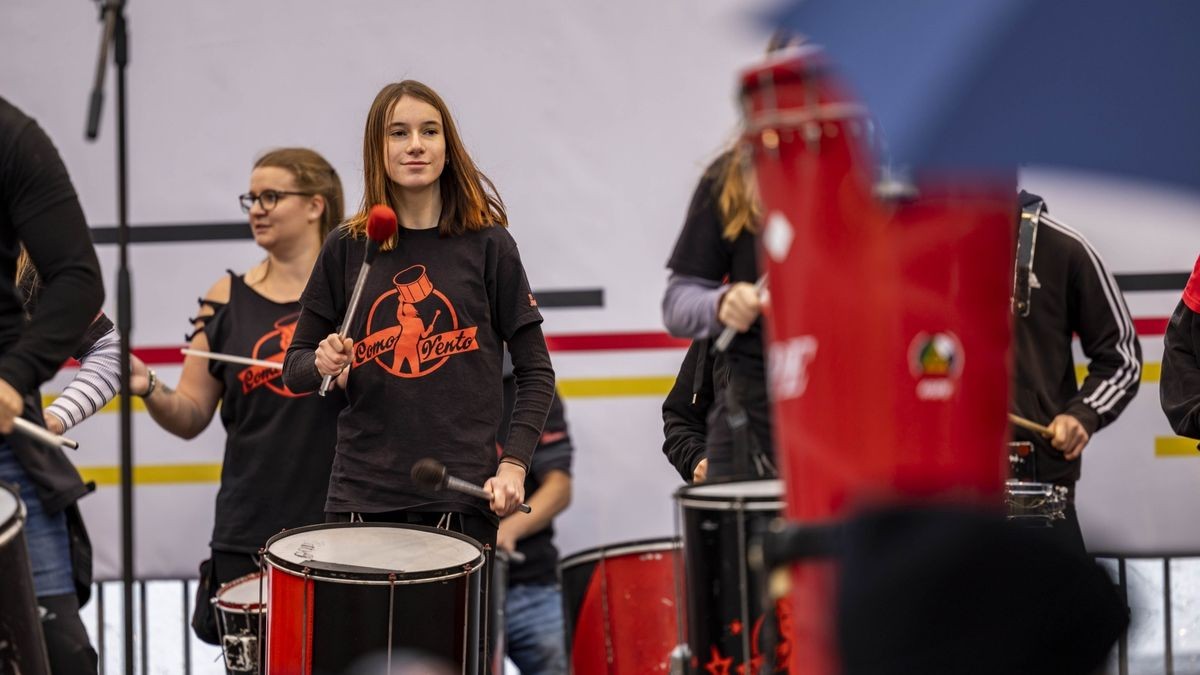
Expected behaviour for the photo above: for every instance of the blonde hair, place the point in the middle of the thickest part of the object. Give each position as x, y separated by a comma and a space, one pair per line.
737, 193
27, 279
470, 201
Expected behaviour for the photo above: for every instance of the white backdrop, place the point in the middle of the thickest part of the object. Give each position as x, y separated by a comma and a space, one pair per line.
594, 119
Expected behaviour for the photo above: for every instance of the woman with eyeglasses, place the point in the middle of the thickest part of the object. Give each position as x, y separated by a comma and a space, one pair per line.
279, 443
425, 351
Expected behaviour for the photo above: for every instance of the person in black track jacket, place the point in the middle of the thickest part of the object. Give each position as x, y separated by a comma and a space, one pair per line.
1071, 293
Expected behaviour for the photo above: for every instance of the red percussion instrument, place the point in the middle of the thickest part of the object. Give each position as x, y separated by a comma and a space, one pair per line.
889, 321
620, 608
341, 592
22, 645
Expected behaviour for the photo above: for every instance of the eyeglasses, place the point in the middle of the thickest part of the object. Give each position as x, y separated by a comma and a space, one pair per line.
267, 198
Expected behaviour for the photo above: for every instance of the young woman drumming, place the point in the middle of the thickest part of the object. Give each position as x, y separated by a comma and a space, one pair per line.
425, 350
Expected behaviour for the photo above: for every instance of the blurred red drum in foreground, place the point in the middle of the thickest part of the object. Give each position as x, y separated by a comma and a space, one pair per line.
888, 324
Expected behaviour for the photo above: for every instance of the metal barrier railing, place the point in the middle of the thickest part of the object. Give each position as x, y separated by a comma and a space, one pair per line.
1154, 609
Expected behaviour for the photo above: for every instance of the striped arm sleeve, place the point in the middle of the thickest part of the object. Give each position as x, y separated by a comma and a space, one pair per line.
97, 382
1106, 334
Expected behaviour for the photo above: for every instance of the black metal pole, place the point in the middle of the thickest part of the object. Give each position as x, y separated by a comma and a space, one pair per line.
125, 324
116, 34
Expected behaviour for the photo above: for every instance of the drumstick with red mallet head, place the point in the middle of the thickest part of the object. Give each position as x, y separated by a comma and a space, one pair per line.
431, 473
381, 226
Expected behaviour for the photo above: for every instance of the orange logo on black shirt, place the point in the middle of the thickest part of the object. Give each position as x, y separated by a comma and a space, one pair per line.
271, 347
411, 346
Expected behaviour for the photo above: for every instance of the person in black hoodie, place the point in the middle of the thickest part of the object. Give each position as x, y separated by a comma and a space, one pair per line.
685, 414
1070, 292
39, 208
1179, 388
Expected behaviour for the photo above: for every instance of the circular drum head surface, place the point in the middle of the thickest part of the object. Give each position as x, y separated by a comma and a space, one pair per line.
9, 505
374, 549
749, 489
243, 594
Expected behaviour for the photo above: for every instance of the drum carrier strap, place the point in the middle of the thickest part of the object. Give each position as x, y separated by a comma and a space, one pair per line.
745, 444
1026, 242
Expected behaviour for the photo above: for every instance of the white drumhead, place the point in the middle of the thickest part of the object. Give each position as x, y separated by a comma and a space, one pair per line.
243, 593
387, 549
9, 505
751, 489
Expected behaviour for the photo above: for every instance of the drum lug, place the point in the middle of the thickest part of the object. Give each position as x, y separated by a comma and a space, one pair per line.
681, 656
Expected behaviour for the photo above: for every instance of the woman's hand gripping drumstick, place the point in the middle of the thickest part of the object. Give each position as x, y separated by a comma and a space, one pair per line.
381, 226
739, 308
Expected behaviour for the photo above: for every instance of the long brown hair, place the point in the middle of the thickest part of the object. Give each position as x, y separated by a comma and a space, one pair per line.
737, 197
737, 194
312, 174
470, 201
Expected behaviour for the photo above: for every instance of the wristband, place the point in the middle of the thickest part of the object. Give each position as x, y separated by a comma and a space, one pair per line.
153, 383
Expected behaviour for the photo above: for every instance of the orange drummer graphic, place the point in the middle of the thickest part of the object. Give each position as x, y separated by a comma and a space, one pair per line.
272, 347
412, 329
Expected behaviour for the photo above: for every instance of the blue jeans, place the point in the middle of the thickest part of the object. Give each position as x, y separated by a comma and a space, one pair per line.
45, 534
533, 631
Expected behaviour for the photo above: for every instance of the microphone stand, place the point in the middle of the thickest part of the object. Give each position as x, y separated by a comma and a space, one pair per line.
116, 37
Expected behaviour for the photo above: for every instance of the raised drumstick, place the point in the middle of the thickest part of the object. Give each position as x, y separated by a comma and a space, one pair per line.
1019, 421
381, 226
230, 358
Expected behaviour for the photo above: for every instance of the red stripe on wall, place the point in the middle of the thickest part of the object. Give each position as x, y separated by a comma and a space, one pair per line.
1151, 326
1147, 327
613, 341
591, 342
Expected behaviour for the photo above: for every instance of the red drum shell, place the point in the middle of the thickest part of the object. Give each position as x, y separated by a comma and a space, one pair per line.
620, 602
888, 329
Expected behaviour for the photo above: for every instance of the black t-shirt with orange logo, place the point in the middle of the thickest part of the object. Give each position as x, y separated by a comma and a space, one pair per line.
279, 445
425, 380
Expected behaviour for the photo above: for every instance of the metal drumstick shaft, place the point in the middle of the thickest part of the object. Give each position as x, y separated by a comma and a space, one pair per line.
344, 331
42, 435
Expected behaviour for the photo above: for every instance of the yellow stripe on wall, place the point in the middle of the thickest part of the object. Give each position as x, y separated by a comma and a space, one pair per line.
1151, 372
1175, 446
615, 387
113, 406
154, 474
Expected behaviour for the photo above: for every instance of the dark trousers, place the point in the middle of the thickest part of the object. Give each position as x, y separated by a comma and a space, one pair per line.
71, 652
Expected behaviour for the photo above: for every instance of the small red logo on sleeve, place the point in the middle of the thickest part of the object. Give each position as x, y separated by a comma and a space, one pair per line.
532, 301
